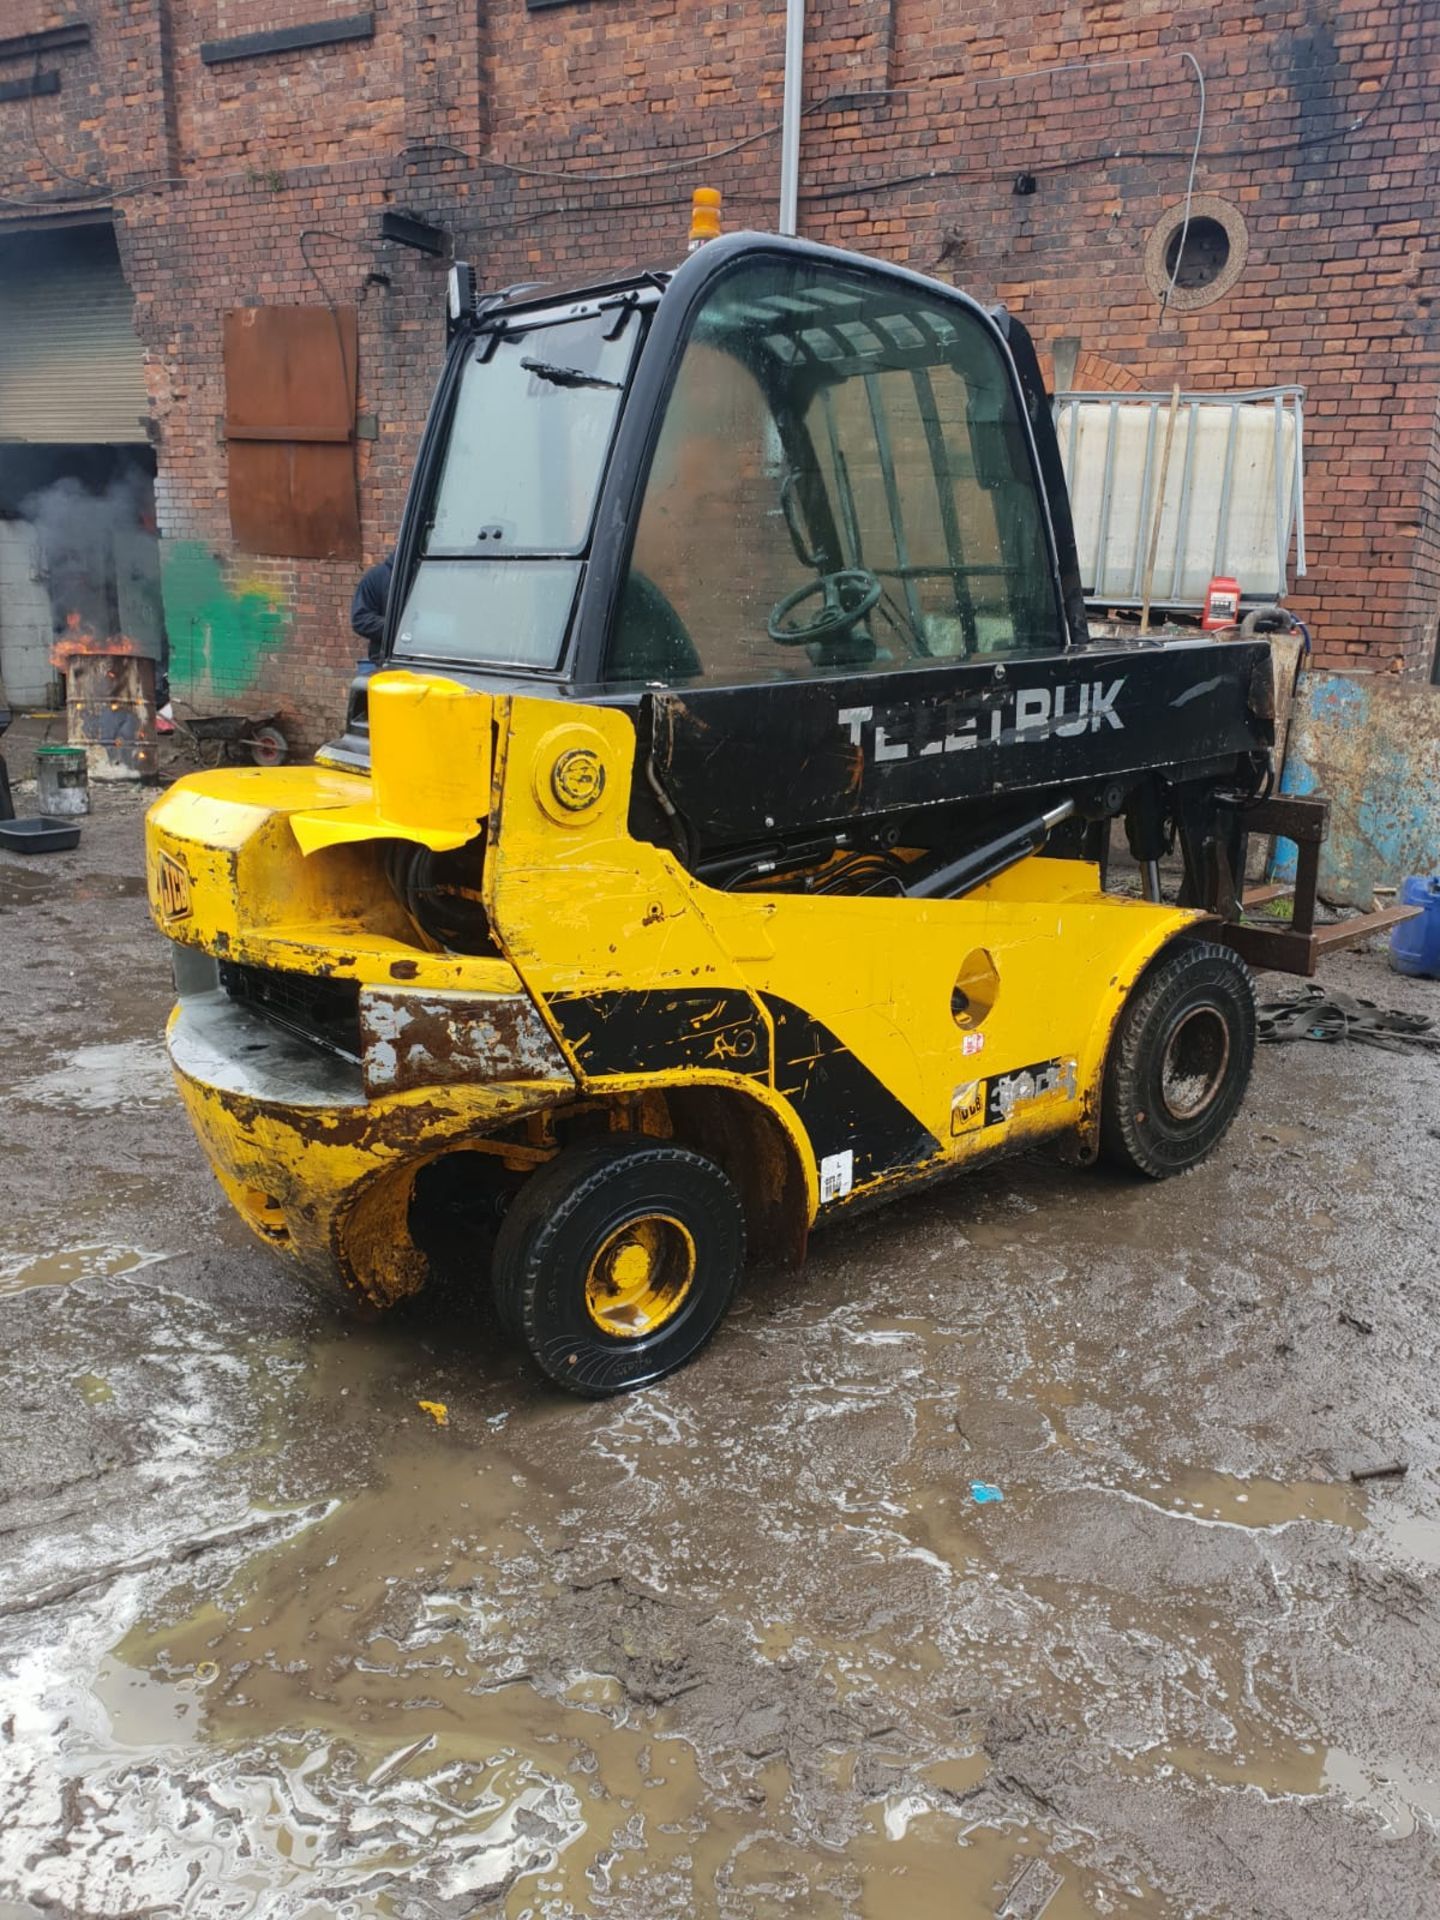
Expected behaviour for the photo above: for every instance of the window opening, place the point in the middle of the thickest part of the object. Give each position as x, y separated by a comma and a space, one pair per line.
1206, 252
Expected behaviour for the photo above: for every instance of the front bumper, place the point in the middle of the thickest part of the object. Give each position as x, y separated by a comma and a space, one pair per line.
320, 1171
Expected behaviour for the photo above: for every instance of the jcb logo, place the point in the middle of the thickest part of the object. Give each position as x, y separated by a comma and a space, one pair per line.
172, 887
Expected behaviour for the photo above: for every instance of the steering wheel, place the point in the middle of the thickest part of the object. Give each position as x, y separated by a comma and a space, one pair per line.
846, 596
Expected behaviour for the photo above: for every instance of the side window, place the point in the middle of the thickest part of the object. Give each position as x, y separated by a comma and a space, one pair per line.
841, 481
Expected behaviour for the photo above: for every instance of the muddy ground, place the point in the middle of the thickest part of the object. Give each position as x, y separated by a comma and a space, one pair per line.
275, 1643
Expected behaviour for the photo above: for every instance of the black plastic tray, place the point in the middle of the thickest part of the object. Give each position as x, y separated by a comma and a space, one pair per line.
42, 833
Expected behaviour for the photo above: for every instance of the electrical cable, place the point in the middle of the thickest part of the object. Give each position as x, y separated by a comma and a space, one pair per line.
91, 189
855, 95
583, 177
849, 190
1185, 54
349, 385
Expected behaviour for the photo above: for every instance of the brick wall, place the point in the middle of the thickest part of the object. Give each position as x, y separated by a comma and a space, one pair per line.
263, 180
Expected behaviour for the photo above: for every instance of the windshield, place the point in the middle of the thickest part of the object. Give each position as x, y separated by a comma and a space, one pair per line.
842, 483
509, 519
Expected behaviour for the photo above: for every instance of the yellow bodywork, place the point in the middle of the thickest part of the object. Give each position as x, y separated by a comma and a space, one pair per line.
821, 1039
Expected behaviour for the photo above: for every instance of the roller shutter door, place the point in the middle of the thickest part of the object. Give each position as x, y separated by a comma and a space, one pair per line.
70, 363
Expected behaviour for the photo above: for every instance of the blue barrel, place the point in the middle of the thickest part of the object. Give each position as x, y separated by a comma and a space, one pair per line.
1415, 944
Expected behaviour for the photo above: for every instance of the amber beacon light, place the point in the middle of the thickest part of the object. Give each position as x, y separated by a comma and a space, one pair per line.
704, 216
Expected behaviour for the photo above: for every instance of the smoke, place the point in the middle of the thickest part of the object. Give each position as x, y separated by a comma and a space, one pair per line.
73, 518
101, 557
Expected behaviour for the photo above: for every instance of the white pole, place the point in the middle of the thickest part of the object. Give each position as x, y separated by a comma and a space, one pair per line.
790, 116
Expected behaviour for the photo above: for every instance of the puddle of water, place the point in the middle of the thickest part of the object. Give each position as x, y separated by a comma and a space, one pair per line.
1402, 1799
19, 1272
1229, 1500
23, 886
536, 1806
351, 1711
915, 1862
1410, 1535
120, 1075
26, 886
1389, 1788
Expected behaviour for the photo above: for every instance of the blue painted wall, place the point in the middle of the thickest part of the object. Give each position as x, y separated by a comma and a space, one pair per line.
1370, 743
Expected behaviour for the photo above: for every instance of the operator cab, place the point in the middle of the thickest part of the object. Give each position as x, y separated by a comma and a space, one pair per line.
833, 468
777, 486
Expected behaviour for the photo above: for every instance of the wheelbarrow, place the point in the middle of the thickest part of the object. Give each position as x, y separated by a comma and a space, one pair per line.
216, 738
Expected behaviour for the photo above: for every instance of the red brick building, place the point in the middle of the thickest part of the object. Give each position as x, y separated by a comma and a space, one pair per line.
280, 154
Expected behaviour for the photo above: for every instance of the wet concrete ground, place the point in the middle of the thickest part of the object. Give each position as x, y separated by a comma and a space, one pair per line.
277, 1643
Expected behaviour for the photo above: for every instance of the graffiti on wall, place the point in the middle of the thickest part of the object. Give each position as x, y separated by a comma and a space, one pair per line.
221, 626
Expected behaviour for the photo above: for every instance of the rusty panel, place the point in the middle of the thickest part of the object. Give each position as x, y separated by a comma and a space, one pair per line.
1370, 744
294, 498
290, 373
413, 1038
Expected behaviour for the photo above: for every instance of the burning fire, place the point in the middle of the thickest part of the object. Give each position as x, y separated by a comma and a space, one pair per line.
78, 638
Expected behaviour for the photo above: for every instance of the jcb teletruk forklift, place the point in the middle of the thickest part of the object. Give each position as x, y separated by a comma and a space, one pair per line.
721, 846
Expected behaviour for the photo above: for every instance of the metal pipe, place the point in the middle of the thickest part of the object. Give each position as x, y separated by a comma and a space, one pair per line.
790, 117
1151, 871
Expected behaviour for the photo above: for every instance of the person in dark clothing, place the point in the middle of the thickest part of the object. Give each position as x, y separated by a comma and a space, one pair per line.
367, 609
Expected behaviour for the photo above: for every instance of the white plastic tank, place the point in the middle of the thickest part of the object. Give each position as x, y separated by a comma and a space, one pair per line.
1233, 492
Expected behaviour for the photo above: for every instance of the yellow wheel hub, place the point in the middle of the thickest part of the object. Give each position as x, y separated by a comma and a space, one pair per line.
640, 1277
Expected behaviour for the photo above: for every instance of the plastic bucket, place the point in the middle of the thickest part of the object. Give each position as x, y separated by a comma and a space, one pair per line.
1415, 944
62, 778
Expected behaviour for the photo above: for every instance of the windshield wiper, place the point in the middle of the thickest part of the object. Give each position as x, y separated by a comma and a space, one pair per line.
568, 376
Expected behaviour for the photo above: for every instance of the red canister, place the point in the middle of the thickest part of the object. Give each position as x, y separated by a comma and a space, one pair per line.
1222, 603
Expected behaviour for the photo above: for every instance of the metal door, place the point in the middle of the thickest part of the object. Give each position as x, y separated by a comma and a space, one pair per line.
71, 368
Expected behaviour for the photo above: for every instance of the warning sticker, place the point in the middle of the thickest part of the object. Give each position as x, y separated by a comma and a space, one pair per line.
837, 1175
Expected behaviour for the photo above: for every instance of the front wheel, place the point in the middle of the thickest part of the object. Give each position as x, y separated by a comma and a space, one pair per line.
1179, 1060
616, 1261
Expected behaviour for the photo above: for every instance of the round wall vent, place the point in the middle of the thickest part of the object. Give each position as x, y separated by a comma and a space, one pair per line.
1204, 259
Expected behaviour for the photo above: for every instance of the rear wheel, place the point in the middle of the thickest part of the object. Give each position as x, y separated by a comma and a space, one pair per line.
616, 1261
1179, 1061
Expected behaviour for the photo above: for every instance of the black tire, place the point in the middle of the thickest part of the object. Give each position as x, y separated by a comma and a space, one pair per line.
589, 1207
1179, 1060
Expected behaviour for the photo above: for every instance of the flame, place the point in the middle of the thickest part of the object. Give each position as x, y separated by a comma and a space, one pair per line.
78, 638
